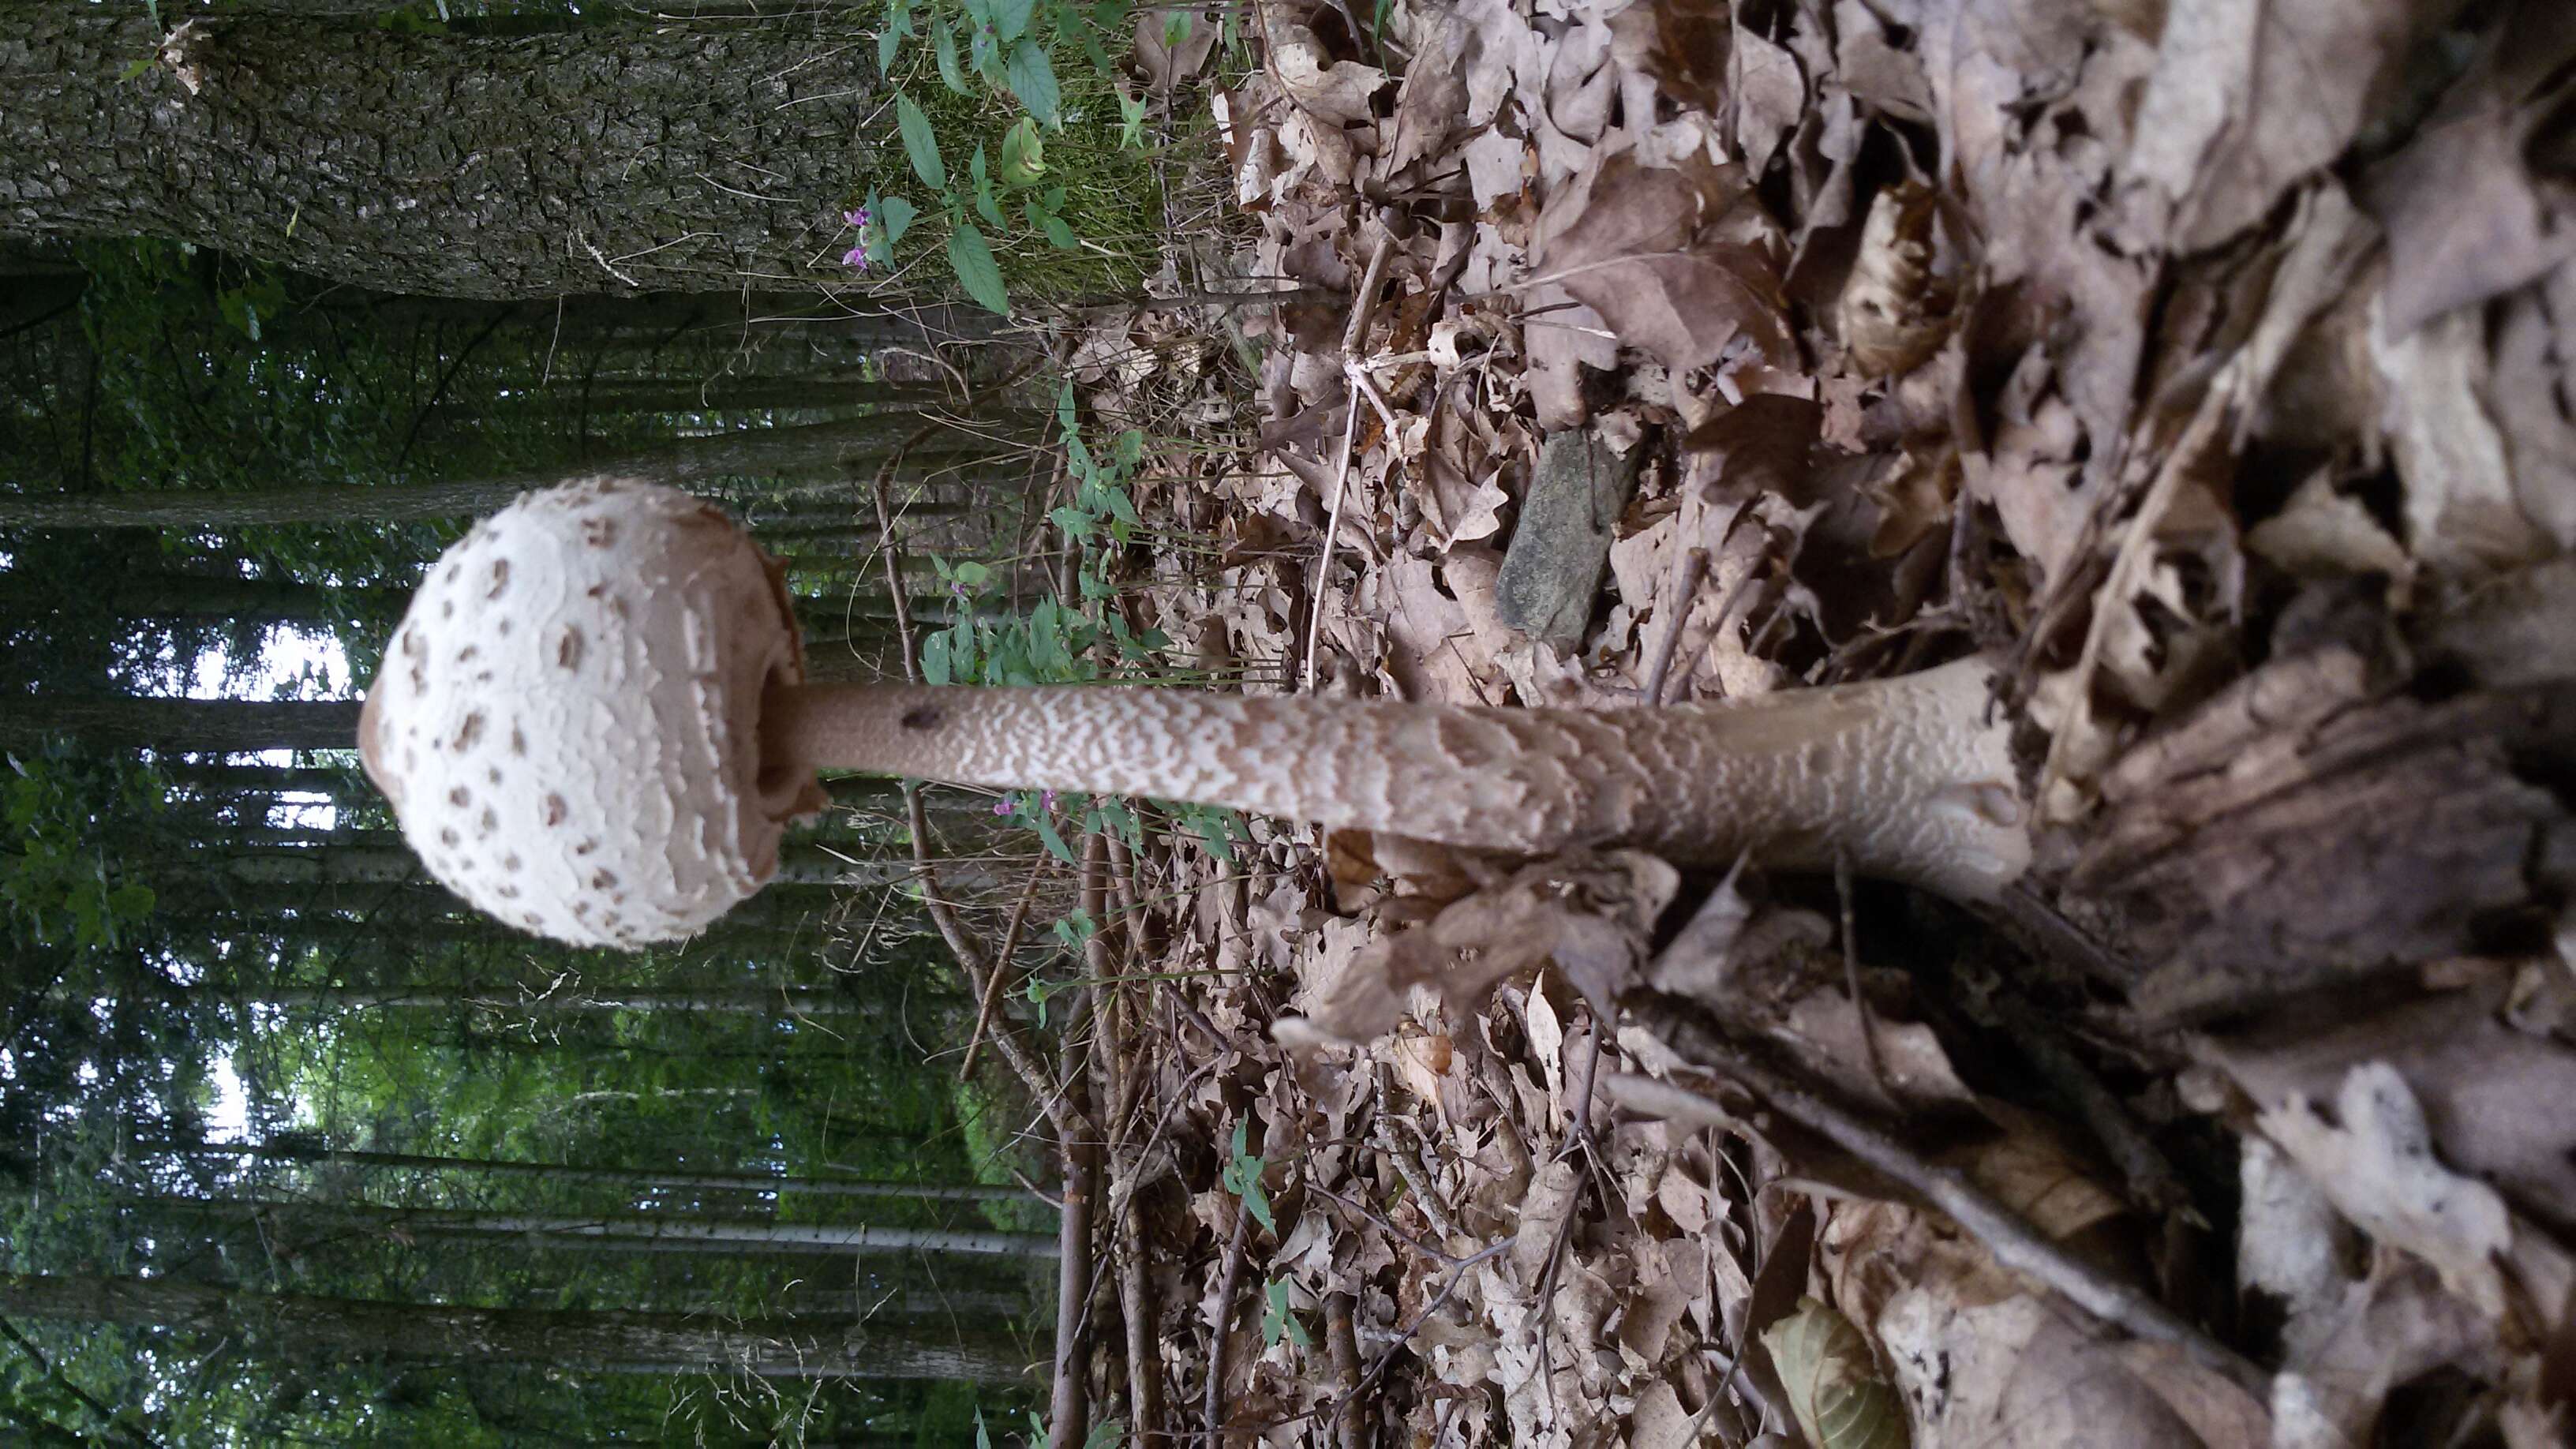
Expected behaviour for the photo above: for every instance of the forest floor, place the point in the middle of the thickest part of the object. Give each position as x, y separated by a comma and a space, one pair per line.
2218, 382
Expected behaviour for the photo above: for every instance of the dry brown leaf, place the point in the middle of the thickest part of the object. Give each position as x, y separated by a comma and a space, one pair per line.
2250, 96
1769, 91
2477, 203
2474, 1076
2021, 1373
1337, 91
1167, 63
1681, 262
2375, 1160
2464, 505
2382, 1333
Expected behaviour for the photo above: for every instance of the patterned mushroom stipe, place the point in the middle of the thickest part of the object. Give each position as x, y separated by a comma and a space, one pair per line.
573, 719
1907, 778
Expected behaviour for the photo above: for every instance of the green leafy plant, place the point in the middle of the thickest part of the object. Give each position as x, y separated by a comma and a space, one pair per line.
1279, 1316
1060, 642
982, 50
1242, 1177
60, 886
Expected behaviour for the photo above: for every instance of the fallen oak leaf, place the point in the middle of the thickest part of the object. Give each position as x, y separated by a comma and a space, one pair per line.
1338, 91
1679, 261
1834, 1388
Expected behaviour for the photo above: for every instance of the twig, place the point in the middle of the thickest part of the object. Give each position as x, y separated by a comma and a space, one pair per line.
1851, 978
1136, 1302
2014, 1243
1213, 1408
962, 944
992, 993
1694, 569
1363, 306
1342, 1344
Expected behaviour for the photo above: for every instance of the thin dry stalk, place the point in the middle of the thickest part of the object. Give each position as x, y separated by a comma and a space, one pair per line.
2015, 1244
1212, 1408
992, 990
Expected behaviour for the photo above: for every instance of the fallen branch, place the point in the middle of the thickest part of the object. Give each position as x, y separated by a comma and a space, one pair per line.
2015, 1244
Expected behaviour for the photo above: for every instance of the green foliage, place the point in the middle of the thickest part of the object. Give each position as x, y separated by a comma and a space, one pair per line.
1242, 1177
62, 883
1051, 61
1279, 1316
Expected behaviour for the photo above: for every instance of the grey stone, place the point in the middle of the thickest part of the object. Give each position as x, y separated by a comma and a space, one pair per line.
1553, 568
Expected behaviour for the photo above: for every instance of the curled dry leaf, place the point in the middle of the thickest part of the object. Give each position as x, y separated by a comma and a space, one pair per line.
1834, 1386
1590, 914
1336, 91
1894, 309
1680, 261
2375, 1160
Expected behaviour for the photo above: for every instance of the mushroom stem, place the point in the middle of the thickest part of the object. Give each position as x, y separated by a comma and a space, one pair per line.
1908, 778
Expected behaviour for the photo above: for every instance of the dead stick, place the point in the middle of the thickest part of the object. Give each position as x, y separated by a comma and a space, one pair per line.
1213, 1407
1694, 569
992, 992
962, 944
2015, 1244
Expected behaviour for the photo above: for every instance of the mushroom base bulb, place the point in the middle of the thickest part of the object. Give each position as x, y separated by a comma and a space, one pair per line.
568, 718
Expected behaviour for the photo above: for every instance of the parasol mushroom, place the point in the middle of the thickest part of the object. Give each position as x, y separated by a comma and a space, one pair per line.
593, 723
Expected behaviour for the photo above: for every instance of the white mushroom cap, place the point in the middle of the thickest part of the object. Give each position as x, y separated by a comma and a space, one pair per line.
567, 721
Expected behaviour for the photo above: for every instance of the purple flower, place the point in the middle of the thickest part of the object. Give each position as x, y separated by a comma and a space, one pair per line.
1002, 806
1046, 800
856, 258
858, 218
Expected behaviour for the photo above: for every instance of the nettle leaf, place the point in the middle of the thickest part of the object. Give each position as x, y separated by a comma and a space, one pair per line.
934, 659
919, 144
943, 48
1011, 18
972, 259
1032, 79
1054, 843
1131, 119
1058, 235
895, 215
1023, 153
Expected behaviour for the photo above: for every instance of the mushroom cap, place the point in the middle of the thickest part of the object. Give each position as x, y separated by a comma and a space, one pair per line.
568, 718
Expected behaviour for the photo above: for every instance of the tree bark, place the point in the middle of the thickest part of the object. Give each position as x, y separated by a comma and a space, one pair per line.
616, 156
353, 1330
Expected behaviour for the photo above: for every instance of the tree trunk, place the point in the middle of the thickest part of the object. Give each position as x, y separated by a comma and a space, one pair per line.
191, 596
352, 1330
614, 156
214, 726
798, 865
638, 1179
834, 450
613, 1233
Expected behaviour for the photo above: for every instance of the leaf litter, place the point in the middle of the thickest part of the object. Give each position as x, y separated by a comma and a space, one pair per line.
2213, 361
